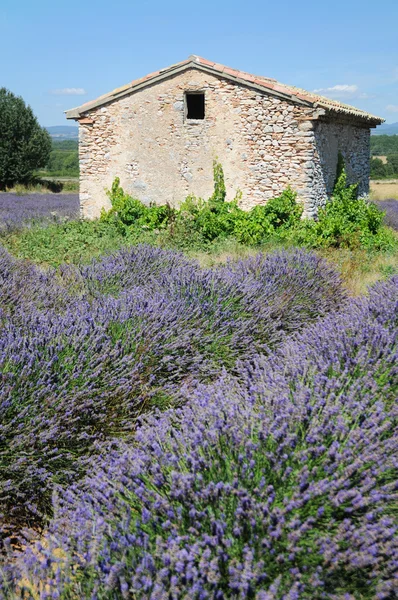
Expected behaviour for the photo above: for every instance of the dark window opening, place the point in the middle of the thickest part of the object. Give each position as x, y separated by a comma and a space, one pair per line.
195, 104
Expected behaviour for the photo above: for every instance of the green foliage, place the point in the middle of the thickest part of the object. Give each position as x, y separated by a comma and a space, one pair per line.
63, 160
214, 218
381, 145
24, 145
127, 211
346, 221
392, 163
68, 242
204, 221
283, 212
277, 215
220, 192
66, 145
253, 227
383, 170
377, 169
384, 145
70, 186
63, 163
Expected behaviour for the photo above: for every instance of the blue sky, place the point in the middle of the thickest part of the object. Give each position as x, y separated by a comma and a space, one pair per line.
58, 54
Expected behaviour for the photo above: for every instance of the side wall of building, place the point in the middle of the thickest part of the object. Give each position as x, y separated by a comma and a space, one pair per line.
264, 144
332, 137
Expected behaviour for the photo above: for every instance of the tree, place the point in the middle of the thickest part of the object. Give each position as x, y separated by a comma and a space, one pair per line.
62, 162
24, 145
377, 168
381, 145
392, 163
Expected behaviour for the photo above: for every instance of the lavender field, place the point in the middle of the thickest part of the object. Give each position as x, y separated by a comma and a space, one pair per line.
390, 207
17, 210
169, 431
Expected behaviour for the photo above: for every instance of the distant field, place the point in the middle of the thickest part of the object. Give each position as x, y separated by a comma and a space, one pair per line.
384, 189
382, 158
16, 210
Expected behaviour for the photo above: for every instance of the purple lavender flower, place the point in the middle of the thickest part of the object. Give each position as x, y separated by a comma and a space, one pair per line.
84, 351
280, 482
390, 207
17, 211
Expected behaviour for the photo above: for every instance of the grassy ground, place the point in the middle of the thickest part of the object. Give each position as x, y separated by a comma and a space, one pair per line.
359, 269
75, 242
44, 186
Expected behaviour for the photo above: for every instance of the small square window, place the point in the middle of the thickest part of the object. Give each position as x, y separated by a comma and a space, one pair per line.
195, 105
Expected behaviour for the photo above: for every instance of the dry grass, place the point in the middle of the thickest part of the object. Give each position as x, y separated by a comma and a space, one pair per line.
384, 189
359, 269
44, 186
229, 250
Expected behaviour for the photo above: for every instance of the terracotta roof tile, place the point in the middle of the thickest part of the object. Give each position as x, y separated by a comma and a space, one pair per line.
243, 75
233, 72
271, 85
219, 67
263, 83
204, 61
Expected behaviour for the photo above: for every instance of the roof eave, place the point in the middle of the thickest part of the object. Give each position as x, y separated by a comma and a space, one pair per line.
262, 85
76, 113
366, 118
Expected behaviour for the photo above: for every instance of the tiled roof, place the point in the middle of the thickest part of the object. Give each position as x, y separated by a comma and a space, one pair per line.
270, 86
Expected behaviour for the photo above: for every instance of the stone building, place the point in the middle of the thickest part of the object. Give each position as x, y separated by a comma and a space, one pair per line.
160, 135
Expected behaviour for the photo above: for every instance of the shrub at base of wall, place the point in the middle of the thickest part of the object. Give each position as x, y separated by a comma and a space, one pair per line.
346, 220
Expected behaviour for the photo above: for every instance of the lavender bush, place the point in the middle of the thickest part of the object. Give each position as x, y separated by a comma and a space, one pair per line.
26, 290
390, 207
282, 485
16, 211
78, 365
253, 303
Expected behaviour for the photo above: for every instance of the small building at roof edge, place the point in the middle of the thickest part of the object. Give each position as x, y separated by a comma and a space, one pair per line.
160, 135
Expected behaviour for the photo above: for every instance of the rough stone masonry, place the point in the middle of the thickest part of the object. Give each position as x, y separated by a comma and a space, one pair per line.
266, 135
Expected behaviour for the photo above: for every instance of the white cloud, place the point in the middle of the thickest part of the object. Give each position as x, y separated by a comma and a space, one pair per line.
339, 89
392, 108
69, 92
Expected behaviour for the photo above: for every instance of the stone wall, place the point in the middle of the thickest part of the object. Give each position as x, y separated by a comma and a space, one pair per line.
354, 144
263, 143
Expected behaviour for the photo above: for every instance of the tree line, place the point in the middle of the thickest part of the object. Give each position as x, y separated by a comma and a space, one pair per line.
63, 159
26, 148
381, 145
384, 170
384, 146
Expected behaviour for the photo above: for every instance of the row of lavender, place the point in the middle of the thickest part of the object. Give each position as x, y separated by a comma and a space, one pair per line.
86, 350
279, 484
390, 207
276, 477
19, 211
